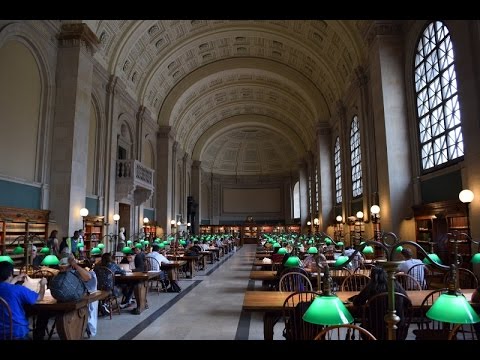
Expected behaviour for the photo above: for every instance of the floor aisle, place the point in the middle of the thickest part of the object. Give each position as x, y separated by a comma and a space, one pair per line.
208, 307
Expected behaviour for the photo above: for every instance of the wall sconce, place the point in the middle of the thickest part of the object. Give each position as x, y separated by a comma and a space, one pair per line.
188, 228
83, 214
466, 196
146, 220
172, 226
338, 233
116, 217
316, 223
375, 210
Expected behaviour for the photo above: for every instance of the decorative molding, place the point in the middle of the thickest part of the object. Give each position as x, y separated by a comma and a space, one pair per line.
383, 28
72, 35
323, 128
361, 76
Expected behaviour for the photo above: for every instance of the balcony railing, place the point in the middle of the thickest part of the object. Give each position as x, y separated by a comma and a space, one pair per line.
133, 181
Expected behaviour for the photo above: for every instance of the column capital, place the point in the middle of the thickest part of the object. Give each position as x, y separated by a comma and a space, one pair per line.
165, 132
196, 164
324, 129
72, 35
361, 76
382, 28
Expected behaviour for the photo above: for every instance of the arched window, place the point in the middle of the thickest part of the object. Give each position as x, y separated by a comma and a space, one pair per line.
438, 112
338, 172
356, 158
296, 200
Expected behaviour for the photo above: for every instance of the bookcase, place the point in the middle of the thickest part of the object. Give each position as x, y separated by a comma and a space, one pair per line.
93, 231
22, 227
434, 225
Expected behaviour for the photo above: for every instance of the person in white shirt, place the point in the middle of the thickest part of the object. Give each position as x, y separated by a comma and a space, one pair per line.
157, 256
419, 273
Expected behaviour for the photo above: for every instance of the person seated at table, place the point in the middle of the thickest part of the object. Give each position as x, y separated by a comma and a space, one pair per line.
357, 259
157, 255
90, 280
17, 296
376, 285
139, 262
419, 273
35, 257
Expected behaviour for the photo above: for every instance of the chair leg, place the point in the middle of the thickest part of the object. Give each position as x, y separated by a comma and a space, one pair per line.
52, 329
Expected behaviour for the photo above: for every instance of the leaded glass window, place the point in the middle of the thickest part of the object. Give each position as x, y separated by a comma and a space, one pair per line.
356, 158
338, 171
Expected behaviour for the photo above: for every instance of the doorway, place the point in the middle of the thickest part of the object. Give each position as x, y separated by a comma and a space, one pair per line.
124, 212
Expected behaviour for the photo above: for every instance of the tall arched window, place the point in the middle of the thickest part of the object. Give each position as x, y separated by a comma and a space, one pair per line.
338, 171
296, 200
356, 158
316, 189
438, 111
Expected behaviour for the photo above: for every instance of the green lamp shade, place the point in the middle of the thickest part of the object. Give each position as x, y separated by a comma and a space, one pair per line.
129, 242
182, 242
6, 258
476, 259
156, 241
452, 308
399, 248
139, 245
327, 310
292, 261
45, 250
310, 242
96, 251
101, 246
368, 250
328, 241
146, 242
50, 260
80, 248
18, 250
127, 250
434, 258
166, 242
312, 250
161, 245
282, 251
276, 245
340, 243
341, 260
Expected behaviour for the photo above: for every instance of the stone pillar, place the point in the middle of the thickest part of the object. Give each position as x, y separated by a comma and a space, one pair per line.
164, 190
196, 193
288, 200
387, 76
325, 186
77, 44
303, 190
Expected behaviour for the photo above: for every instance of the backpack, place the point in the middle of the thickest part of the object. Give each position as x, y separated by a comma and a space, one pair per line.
174, 287
67, 286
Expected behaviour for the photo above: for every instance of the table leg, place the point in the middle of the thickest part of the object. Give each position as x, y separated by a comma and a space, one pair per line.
270, 318
140, 292
71, 325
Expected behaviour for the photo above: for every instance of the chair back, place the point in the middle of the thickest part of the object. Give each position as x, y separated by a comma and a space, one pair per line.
294, 307
375, 309
464, 332
429, 329
355, 282
466, 279
417, 272
294, 281
345, 332
408, 282
6, 321
152, 264
105, 278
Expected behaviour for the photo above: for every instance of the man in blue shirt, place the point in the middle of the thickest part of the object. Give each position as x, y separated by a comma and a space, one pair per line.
17, 297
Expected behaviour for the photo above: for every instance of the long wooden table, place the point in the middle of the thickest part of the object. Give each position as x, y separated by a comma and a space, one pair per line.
71, 317
140, 283
271, 304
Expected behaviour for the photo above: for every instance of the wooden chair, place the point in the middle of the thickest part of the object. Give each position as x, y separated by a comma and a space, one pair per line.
106, 282
463, 332
338, 275
408, 282
466, 279
152, 264
355, 282
6, 320
431, 329
418, 272
294, 307
375, 309
294, 281
345, 332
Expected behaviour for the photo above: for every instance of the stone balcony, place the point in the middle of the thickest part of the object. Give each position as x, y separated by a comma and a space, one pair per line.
134, 181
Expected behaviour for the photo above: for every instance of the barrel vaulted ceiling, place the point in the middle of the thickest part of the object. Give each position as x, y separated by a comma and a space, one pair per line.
244, 97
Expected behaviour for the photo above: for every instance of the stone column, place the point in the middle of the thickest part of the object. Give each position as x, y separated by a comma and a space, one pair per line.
77, 43
387, 76
325, 186
196, 193
164, 190
303, 190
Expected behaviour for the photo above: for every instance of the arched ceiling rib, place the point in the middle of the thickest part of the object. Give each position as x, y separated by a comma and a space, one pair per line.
198, 75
